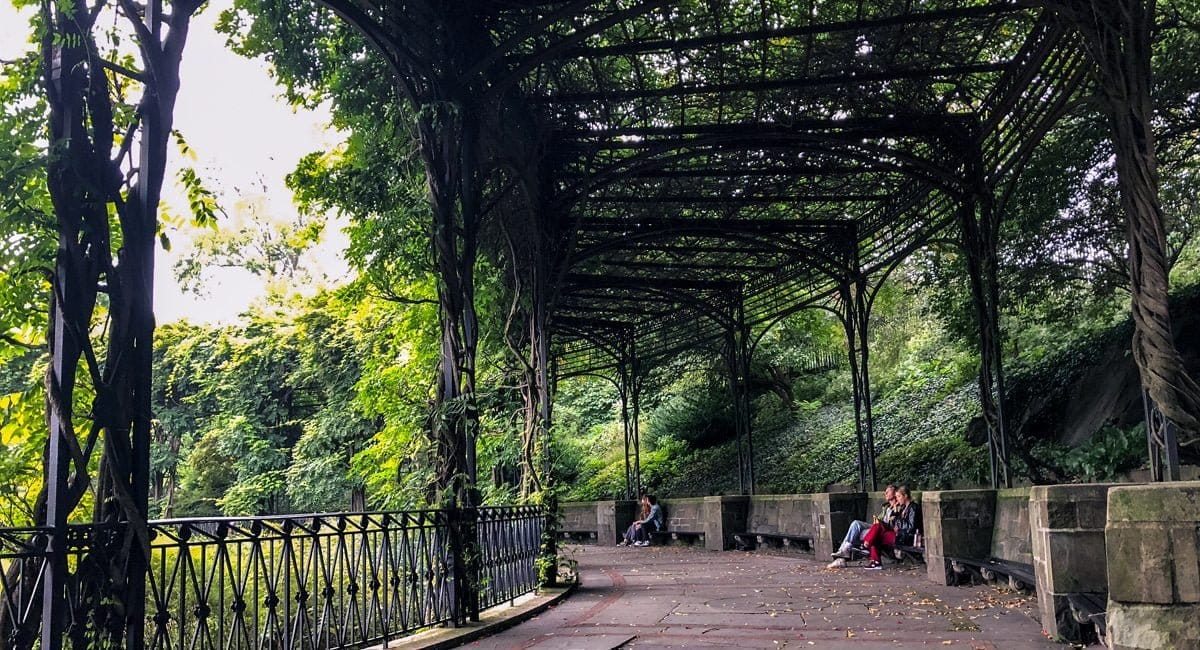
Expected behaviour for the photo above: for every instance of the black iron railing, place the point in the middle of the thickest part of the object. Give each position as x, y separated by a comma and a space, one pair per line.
23, 563
509, 541
303, 581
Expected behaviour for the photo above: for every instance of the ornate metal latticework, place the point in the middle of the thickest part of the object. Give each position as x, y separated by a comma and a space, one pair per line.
1162, 441
509, 540
301, 581
23, 563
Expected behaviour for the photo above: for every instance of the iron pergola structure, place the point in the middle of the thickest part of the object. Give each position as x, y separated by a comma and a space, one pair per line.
703, 170
681, 174
666, 174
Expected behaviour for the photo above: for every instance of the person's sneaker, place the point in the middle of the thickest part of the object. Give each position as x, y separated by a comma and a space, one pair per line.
843, 553
874, 566
836, 564
641, 543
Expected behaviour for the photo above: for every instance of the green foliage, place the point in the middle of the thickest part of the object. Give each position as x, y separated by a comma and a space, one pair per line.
939, 462
1106, 456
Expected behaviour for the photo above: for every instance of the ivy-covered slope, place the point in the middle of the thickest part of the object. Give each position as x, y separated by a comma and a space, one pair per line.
1074, 410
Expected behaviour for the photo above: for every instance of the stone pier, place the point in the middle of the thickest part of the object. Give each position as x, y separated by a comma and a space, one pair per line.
1068, 541
958, 523
612, 518
1152, 541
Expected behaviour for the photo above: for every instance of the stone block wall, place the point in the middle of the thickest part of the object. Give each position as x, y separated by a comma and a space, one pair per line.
724, 517
1152, 546
612, 518
579, 515
831, 517
780, 514
684, 515
958, 523
1011, 532
1068, 540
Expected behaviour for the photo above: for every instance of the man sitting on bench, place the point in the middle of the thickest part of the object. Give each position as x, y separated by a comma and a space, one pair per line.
858, 529
901, 529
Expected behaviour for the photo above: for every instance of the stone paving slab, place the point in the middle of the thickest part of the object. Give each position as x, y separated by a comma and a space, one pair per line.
675, 597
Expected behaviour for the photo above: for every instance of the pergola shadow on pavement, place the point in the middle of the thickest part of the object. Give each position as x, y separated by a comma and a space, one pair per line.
683, 597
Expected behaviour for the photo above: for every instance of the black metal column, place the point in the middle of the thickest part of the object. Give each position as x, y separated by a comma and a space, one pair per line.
57, 470
980, 231
637, 377
1163, 443
629, 384
736, 352
855, 317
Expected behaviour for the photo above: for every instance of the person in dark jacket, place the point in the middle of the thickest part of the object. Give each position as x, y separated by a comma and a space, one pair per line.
633, 533
859, 528
901, 529
653, 522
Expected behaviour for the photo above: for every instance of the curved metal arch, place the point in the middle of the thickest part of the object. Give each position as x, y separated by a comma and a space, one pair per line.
396, 55
781, 316
602, 343
589, 373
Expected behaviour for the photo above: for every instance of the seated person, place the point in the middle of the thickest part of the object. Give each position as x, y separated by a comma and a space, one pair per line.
653, 521
900, 529
633, 533
858, 528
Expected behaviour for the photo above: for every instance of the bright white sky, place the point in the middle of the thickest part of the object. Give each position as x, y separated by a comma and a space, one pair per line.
246, 140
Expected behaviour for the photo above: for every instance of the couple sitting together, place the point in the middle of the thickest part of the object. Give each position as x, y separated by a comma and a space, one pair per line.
652, 521
898, 524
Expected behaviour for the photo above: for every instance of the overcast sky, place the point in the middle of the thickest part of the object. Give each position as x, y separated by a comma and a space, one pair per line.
246, 140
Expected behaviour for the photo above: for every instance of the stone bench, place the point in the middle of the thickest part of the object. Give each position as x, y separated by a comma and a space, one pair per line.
1018, 574
1068, 539
666, 537
914, 553
751, 541
1089, 610
588, 536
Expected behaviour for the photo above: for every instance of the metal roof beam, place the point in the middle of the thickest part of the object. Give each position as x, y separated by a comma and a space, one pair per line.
795, 83
697, 42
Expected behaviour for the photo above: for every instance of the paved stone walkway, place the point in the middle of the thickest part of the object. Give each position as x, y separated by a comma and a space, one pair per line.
671, 597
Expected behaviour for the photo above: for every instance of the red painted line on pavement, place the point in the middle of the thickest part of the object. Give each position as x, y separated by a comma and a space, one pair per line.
618, 584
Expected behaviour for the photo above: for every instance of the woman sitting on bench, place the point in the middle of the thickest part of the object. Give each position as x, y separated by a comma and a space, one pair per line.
638, 533
900, 529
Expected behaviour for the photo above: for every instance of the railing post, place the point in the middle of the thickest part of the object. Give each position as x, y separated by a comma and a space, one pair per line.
464, 549
549, 542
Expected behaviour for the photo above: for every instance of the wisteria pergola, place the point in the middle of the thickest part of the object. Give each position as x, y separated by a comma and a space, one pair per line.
682, 174
653, 176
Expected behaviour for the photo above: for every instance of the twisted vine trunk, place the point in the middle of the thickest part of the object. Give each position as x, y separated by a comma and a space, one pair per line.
447, 136
1117, 34
86, 181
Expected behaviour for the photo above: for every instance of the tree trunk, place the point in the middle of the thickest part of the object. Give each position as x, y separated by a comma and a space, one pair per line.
447, 136
1117, 34
84, 181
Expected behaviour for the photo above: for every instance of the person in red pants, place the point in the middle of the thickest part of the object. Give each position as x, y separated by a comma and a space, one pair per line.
898, 529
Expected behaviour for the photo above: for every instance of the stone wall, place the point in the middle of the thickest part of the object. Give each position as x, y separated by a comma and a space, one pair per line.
780, 514
831, 517
612, 518
579, 516
1012, 537
724, 517
1068, 540
958, 523
1152, 545
684, 515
